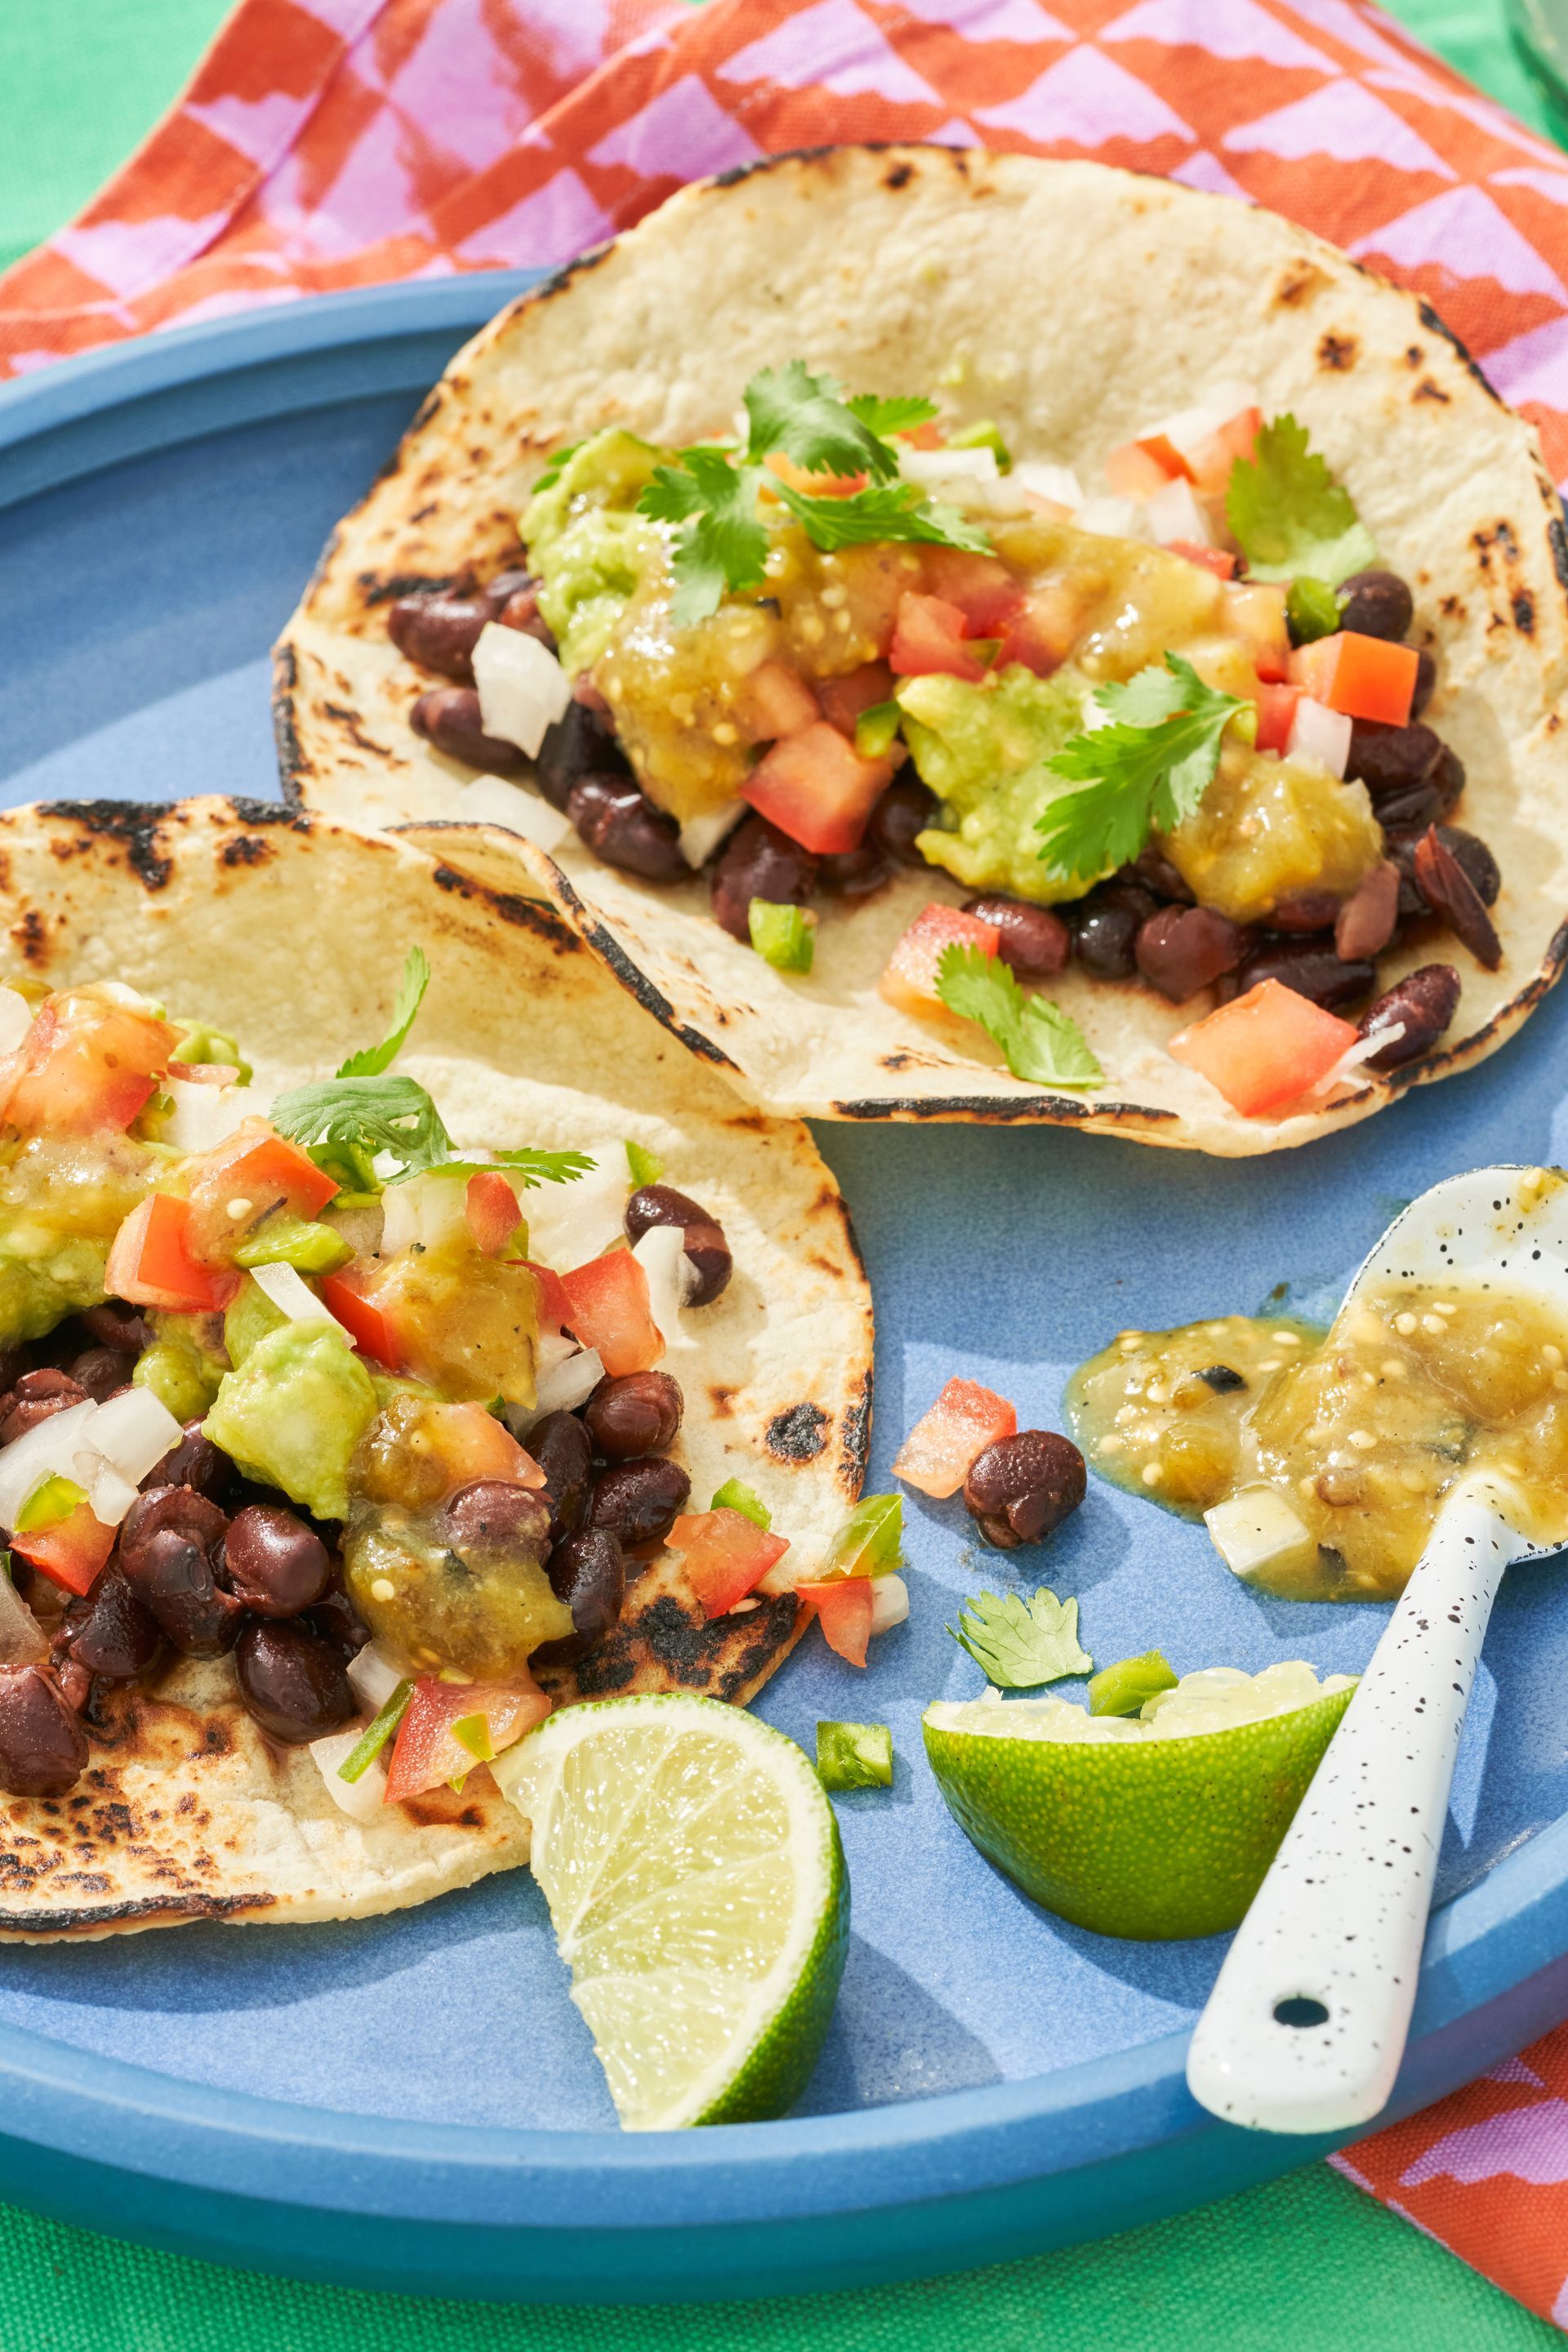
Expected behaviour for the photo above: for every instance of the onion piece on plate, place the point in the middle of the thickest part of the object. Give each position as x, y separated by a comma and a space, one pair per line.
523, 690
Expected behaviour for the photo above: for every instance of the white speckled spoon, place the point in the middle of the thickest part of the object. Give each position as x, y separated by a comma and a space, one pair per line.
1305, 2028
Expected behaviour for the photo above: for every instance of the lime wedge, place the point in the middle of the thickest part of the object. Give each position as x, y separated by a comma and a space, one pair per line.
696, 1884
1156, 1827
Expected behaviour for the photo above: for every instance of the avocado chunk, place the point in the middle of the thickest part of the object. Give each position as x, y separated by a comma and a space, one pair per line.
587, 544
983, 749
184, 1366
292, 1413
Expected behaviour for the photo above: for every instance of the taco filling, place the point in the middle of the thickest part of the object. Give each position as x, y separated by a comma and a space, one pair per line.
296, 1383
1166, 726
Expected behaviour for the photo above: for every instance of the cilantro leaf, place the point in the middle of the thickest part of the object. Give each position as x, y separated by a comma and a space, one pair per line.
718, 540
1019, 1644
347, 1123
556, 467
1040, 1042
1147, 768
890, 510
805, 419
896, 415
527, 1169
1287, 514
371, 1060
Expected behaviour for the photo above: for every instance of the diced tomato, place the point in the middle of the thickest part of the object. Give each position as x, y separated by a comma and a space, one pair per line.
471, 1442
984, 590
724, 1555
426, 1753
87, 1066
1276, 715
152, 1264
1166, 455
554, 1308
1255, 612
492, 1211
1265, 1048
941, 1449
203, 1074
844, 1613
1212, 460
255, 1170
368, 1326
815, 486
910, 980
844, 699
1361, 677
607, 1307
927, 436
774, 702
928, 638
1134, 472
816, 787
71, 1553
1217, 559
1044, 630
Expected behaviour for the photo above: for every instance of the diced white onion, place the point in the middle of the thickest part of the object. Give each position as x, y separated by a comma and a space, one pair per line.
490, 800
1110, 517
362, 1800
109, 1494
1174, 513
373, 1676
570, 1223
522, 688
427, 1210
1058, 485
203, 1117
889, 1603
1189, 428
119, 991
1350, 1060
661, 1254
701, 836
23, 1641
1321, 734
50, 1451
292, 1296
560, 1387
930, 467
133, 1432
16, 1019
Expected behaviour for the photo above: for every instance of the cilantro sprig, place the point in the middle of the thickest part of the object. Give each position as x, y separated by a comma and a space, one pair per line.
708, 495
1288, 515
1019, 1644
1147, 767
1040, 1042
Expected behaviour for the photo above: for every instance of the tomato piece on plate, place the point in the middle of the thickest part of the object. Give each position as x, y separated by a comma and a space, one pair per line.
260, 1168
1217, 559
152, 1263
981, 586
87, 1066
844, 699
1360, 677
1276, 715
428, 1752
927, 640
607, 1307
774, 700
937, 1455
71, 1553
1255, 612
1134, 473
368, 1326
724, 1555
816, 787
1264, 1049
492, 1210
1166, 455
910, 980
843, 1611
1212, 460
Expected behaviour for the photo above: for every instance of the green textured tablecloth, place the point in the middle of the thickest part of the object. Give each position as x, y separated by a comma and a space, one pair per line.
1306, 2263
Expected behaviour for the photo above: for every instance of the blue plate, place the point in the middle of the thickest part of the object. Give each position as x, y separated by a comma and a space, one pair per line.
412, 2102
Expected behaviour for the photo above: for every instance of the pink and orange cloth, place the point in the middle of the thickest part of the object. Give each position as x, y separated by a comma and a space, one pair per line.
332, 143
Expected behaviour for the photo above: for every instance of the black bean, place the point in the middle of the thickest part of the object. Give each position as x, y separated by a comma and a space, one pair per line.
1182, 949
578, 744
661, 1205
294, 1683
167, 1544
621, 824
1105, 927
1153, 870
589, 1573
498, 594
559, 1443
37, 1397
448, 717
1390, 759
1376, 605
1312, 969
15, 1358
707, 1254
520, 612
1036, 942
639, 1502
1021, 1488
1477, 859
491, 1516
120, 1328
707, 1250
1303, 911
1426, 681
439, 630
274, 1562
1448, 891
1425, 1001
633, 1413
101, 1372
336, 1620
111, 1633
907, 808
43, 1748
758, 861
855, 873
194, 1462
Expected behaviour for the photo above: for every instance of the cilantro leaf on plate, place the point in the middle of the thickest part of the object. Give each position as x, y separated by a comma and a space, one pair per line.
900, 414
1147, 767
371, 1060
1017, 1644
719, 543
1287, 514
806, 419
1040, 1042
890, 510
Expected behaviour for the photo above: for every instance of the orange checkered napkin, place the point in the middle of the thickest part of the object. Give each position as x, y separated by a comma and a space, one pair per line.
328, 143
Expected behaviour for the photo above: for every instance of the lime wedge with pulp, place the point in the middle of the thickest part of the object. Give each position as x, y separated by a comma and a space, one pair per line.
696, 1884
1159, 1826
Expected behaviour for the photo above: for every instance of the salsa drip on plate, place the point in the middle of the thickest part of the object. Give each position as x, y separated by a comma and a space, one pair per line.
1169, 729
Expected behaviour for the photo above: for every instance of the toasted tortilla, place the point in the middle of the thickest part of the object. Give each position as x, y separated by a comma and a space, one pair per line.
290, 933
1068, 302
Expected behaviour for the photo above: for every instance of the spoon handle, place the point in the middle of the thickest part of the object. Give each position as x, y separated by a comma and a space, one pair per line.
1335, 1931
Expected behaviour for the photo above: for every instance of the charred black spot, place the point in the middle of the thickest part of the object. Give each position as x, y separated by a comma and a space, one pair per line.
1338, 353
348, 720
1413, 355
899, 176
1296, 284
1557, 539
378, 590
31, 938
244, 849
798, 1434
994, 1111
1524, 612
134, 827
1437, 326
523, 914
856, 1436
54, 1921
1427, 390
291, 761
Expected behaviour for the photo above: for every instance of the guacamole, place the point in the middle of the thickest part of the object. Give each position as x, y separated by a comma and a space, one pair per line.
983, 749
62, 1199
292, 1413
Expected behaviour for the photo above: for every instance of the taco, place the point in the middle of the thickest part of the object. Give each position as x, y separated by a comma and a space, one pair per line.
945, 627
361, 1345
